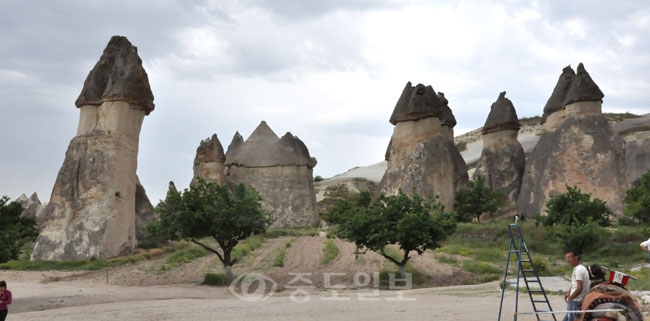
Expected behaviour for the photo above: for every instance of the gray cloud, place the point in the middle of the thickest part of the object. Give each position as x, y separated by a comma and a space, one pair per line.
329, 72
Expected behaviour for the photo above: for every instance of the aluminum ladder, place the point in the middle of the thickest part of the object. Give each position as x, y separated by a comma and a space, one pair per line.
525, 270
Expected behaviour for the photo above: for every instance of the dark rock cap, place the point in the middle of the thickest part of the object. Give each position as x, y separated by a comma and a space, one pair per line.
583, 88
118, 76
502, 116
263, 149
416, 103
446, 115
556, 101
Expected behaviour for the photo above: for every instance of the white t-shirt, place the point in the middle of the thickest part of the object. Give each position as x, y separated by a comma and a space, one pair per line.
646, 243
580, 273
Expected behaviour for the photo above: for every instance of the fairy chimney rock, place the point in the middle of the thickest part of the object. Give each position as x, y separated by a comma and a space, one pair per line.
554, 109
280, 169
502, 159
92, 208
584, 151
209, 161
584, 96
421, 154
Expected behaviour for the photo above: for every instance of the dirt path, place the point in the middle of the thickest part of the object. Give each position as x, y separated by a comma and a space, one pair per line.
88, 299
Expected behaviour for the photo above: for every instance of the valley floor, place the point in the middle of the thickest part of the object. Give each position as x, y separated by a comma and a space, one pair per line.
92, 299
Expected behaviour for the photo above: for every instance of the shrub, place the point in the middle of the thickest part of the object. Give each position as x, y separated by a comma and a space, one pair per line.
215, 279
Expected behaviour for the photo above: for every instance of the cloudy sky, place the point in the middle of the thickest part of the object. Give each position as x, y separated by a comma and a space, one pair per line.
329, 72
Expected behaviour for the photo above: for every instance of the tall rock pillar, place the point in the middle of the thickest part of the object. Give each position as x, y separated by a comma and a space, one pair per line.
421, 154
502, 159
92, 209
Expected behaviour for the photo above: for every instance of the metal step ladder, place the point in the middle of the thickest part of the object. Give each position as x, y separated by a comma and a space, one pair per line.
526, 271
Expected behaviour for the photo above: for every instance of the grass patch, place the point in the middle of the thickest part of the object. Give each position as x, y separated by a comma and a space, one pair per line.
183, 256
278, 259
447, 259
295, 232
247, 246
330, 252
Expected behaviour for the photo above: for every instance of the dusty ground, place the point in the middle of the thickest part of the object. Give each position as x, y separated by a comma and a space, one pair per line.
142, 292
88, 299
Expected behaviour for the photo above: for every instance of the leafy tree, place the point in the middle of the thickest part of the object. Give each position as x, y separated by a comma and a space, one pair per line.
477, 199
576, 220
210, 210
575, 208
344, 206
15, 230
637, 200
414, 223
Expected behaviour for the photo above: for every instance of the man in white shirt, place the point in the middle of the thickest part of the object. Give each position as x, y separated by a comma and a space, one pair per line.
579, 286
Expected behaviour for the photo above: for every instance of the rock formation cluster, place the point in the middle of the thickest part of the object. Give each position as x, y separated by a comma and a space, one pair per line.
99, 209
92, 208
579, 149
280, 169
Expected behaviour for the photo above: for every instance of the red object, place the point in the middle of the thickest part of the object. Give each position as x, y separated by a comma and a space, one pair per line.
618, 278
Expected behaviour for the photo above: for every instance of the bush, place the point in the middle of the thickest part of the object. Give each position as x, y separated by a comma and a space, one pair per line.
215, 279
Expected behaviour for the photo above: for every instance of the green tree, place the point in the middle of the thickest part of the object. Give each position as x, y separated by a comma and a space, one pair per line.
413, 223
15, 230
575, 220
210, 210
637, 200
344, 206
575, 208
476, 200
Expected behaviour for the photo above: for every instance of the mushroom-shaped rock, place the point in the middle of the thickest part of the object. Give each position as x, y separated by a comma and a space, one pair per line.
502, 116
583, 88
416, 103
118, 75
97, 202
